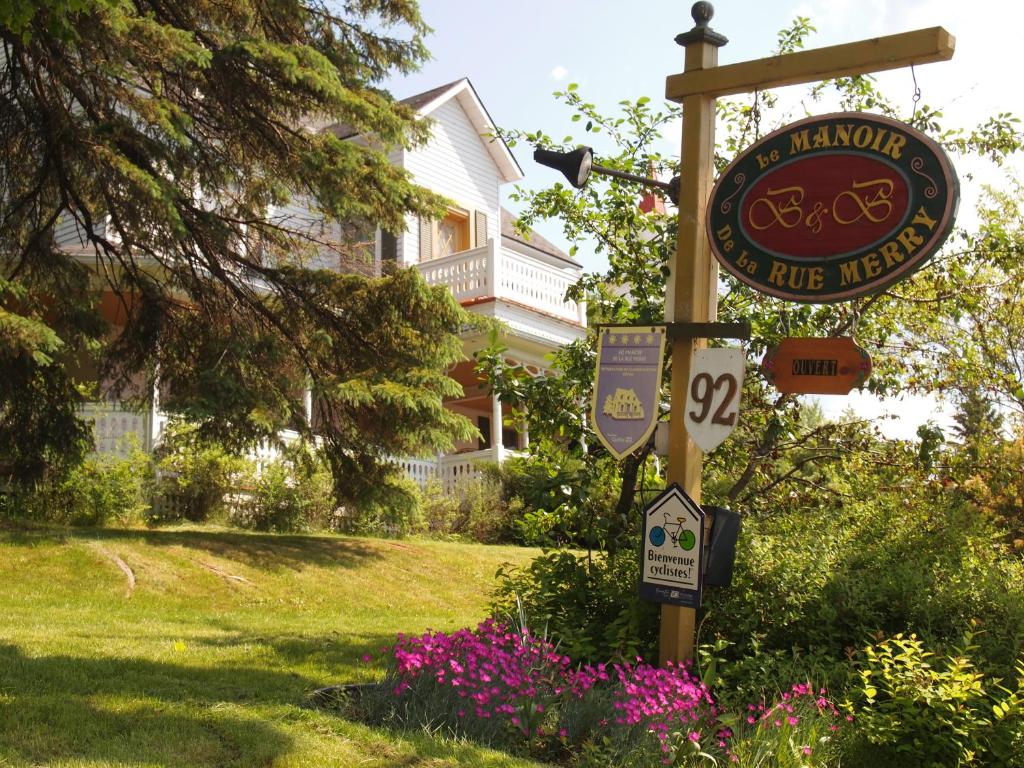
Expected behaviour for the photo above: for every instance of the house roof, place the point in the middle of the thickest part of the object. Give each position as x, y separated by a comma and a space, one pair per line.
426, 102
534, 240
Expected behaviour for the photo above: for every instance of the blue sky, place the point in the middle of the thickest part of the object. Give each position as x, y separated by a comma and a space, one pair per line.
517, 53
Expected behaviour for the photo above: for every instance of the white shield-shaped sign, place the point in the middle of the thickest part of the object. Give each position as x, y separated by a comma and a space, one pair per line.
713, 396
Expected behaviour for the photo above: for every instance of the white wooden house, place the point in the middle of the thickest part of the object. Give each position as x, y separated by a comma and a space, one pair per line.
474, 251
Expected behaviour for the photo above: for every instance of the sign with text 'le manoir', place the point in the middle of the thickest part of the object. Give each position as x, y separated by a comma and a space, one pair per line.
624, 411
833, 207
672, 556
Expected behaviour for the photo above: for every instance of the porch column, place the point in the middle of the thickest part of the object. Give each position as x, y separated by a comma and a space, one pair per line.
154, 415
307, 402
496, 426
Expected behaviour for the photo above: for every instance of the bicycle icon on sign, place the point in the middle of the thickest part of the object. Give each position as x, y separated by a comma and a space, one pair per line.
675, 532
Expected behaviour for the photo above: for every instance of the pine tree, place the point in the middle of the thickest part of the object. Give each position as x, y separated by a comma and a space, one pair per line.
170, 131
977, 422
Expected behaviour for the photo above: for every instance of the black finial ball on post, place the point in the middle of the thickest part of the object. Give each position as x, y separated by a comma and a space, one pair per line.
702, 13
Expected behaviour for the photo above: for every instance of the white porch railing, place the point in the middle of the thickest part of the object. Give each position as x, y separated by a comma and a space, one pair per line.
268, 452
504, 274
468, 274
113, 423
115, 427
451, 471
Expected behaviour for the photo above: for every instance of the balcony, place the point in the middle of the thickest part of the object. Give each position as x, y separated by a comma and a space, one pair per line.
494, 272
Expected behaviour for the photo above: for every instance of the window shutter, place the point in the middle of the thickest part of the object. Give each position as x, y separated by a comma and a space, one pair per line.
388, 246
480, 229
426, 239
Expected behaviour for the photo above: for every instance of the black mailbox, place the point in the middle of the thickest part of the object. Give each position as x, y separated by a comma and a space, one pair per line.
721, 551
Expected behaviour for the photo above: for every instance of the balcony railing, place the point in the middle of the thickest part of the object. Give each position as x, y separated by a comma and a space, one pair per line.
493, 271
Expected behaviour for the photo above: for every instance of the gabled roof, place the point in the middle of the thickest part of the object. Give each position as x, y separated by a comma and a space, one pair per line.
508, 221
463, 90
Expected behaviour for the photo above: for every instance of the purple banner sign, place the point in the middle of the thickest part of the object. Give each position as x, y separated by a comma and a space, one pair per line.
626, 390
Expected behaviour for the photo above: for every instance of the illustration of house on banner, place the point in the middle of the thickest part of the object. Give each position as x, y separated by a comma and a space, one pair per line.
474, 251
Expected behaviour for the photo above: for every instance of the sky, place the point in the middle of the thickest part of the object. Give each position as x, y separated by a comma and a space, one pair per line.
517, 53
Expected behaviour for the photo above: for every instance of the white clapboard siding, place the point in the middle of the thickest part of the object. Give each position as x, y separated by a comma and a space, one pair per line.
455, 163
69, 235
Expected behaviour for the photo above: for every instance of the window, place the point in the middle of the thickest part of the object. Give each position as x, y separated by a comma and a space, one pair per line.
445, 237
452, 234
354, 242
509, 438
483, 423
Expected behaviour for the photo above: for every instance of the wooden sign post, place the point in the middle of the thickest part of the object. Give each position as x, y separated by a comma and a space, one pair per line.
692, 294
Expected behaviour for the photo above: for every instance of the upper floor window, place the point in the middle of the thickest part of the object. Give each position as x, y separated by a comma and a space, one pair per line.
349, 245
452, 234
456, 232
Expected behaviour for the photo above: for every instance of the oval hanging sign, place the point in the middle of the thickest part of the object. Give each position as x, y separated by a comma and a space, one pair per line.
833, 207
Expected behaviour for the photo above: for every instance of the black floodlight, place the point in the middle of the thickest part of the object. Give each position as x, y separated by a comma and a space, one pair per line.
578, 165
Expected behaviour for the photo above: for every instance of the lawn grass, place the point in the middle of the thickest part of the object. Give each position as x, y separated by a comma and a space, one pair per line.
208, 659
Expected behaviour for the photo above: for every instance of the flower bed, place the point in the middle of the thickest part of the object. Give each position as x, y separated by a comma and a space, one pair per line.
514, 690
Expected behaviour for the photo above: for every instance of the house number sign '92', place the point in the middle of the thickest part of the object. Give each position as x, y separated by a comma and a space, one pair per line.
713, 397
703, 391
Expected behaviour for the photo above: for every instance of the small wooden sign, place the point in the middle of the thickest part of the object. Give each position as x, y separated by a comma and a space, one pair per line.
713, 396
833, 207
817, 366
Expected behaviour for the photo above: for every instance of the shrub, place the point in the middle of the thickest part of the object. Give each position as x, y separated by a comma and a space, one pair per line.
563, 500
195, 478
810, 588
589, 603
389, 507
441, 511
994, 485
478, 511
914, 709
100, 490
293, 493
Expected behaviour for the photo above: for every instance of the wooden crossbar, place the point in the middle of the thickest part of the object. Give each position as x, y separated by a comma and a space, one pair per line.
921, 46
